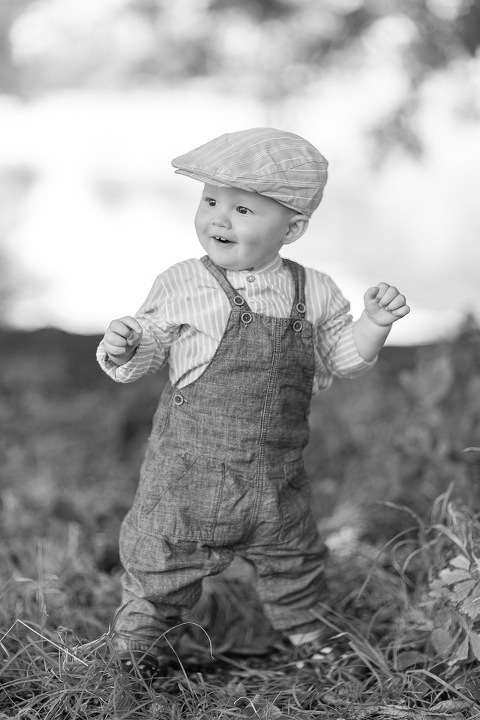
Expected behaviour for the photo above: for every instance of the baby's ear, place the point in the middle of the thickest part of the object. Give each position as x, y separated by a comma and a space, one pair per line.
297, 225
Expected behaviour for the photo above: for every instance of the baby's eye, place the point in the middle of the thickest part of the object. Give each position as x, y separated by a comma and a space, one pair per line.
242, 210
210, 201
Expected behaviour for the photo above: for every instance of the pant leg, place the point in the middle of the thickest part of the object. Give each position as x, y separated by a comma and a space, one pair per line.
291, 576
161, 583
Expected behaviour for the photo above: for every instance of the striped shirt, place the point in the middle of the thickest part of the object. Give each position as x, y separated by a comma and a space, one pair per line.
186, 312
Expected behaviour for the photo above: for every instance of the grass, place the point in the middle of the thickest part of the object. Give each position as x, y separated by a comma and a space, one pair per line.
396, 498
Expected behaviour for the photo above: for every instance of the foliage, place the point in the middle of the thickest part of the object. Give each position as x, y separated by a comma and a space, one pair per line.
456, 597
271, 49
396, 498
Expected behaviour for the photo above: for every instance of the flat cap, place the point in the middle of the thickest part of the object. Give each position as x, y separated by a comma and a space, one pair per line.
278, 164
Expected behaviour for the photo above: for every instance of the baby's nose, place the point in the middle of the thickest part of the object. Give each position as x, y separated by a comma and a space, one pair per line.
222, 220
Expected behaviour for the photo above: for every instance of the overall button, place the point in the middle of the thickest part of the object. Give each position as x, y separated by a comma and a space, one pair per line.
297, 325
178, 399
238, 300
246, 318
251, 278
300, 308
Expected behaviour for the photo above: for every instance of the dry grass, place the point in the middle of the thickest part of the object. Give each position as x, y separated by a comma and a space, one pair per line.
232, 665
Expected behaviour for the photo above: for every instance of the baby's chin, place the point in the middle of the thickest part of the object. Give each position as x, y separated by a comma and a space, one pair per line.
227, 263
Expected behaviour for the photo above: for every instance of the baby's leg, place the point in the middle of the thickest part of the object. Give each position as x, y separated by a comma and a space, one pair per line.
291, 579
162, 581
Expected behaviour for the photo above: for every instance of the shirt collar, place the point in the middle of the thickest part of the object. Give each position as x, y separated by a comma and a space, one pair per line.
269, 266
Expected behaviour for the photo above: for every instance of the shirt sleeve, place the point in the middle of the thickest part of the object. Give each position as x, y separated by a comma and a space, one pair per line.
334, 336
158, 335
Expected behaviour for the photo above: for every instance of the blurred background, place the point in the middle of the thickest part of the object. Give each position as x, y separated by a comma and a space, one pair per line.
96, 98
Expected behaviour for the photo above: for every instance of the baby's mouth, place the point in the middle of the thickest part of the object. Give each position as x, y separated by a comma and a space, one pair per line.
220, 239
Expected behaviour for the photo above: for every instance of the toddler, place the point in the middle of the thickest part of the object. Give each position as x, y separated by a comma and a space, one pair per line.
248, 337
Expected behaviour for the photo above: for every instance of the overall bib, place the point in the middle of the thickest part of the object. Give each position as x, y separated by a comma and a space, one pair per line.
224, 475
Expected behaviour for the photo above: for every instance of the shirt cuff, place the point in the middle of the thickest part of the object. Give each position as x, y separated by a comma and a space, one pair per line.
139, 365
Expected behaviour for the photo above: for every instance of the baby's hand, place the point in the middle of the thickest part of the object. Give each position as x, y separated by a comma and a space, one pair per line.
122, 339
384, 304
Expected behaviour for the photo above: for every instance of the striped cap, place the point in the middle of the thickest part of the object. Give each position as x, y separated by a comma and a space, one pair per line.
278, 164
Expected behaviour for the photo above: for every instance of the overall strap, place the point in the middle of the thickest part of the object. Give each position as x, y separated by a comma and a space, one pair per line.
298, 274
236, 301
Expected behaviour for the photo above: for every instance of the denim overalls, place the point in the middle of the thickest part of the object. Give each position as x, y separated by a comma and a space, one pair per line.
223, 475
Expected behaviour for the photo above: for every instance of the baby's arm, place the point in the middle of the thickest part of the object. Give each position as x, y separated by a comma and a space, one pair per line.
122, 338
383, 306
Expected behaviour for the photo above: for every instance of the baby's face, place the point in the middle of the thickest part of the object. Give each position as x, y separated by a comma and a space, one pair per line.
240, 229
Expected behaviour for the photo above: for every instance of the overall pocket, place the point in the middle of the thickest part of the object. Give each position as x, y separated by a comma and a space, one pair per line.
296, 492
182, 498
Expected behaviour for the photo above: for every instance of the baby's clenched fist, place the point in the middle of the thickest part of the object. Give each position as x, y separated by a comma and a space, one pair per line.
384, 304
122, 338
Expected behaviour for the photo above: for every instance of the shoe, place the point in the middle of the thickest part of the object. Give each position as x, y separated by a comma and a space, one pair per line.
141, 664
321, 650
